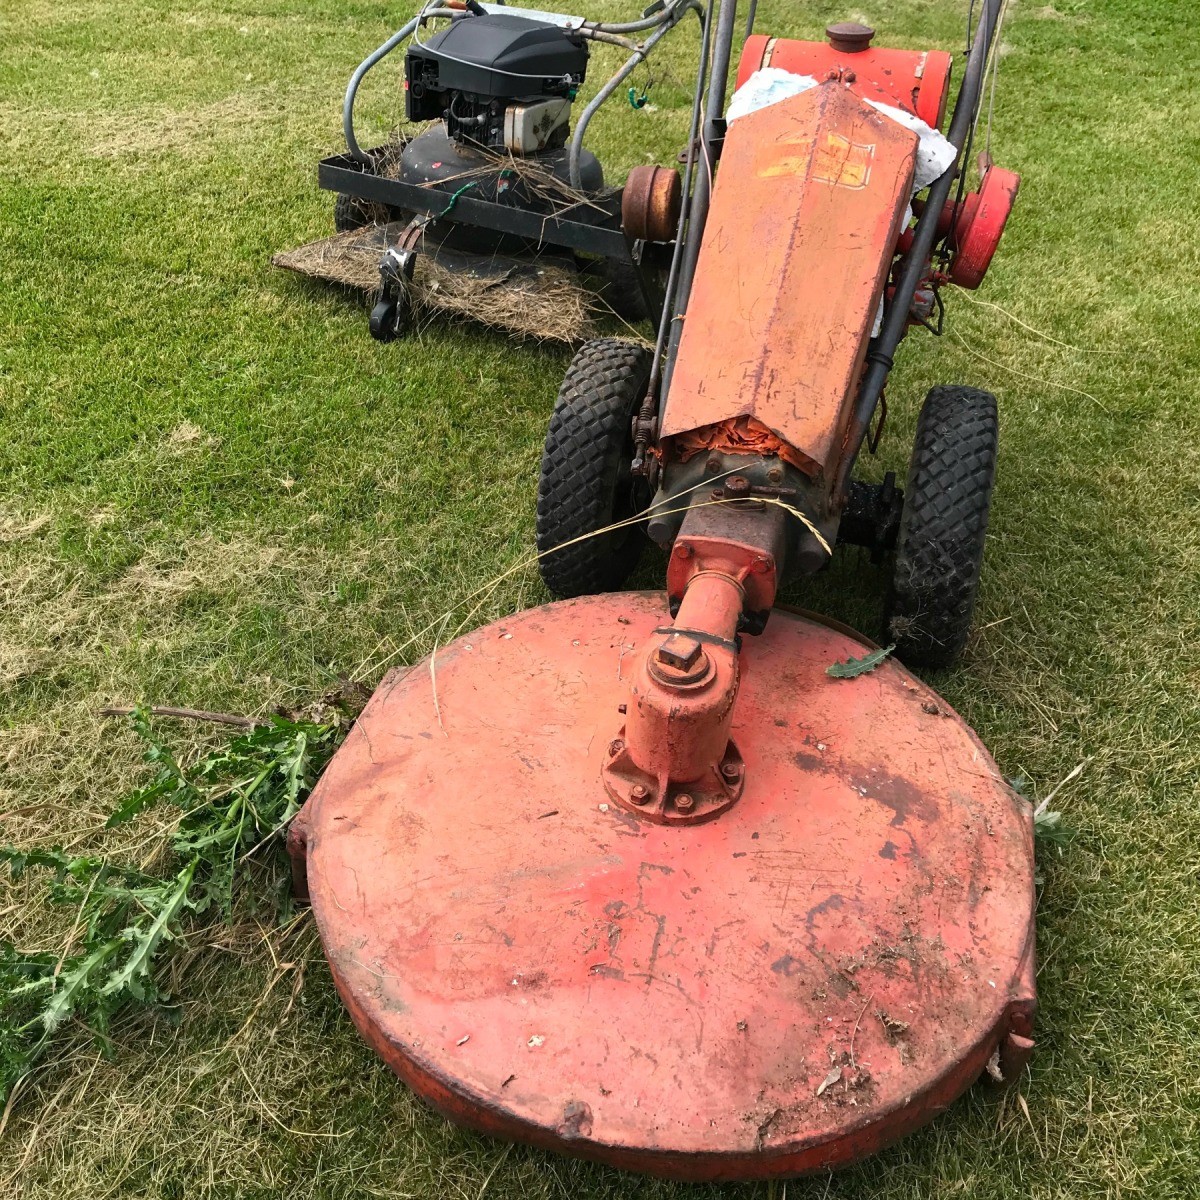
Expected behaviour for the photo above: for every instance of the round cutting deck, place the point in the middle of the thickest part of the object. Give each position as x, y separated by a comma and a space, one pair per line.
793, 984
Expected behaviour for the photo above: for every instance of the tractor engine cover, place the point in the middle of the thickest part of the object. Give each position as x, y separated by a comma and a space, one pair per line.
471, 74
794, 983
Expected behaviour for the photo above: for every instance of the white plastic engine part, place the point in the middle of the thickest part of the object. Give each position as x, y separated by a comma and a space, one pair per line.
529, 127
534, 14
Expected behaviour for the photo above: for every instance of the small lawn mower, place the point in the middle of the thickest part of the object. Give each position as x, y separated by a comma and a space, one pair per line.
703, 886
498, 188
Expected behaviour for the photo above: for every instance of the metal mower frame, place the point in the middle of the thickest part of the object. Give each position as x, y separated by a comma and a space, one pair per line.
931, 233
593, 228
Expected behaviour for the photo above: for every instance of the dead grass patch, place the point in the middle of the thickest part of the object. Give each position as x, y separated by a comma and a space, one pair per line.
538, 300
16, 526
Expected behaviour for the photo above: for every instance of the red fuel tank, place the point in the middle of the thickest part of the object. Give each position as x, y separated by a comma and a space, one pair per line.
916, 81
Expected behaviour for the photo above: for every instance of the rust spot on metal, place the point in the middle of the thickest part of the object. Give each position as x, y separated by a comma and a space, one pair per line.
576, 1120
607, 971
651, 202
904, 798
809, 762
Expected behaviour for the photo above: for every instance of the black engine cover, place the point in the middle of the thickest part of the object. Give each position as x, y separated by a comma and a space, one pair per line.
493, 56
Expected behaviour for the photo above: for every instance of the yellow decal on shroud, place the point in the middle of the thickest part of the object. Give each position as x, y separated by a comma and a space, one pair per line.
835, 160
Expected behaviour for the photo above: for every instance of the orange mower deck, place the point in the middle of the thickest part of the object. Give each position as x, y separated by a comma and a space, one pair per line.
821, 966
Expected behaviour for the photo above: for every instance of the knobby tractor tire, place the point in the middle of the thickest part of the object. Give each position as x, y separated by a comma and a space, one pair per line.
586, 483
621, 290
939, 550
352, 212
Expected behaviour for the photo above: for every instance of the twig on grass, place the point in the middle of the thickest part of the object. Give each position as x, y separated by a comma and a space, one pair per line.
1074, 773
854, 1031
1025, 374
964, 295
187, 714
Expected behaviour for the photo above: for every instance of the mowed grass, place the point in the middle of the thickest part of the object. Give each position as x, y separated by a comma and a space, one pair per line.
216, 491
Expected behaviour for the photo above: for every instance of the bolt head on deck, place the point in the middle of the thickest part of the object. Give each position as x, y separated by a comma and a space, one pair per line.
682, 653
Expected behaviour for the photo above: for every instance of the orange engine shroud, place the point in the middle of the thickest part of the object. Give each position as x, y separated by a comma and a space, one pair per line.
807, 208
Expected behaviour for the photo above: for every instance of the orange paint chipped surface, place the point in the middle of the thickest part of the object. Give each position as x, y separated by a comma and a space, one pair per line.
809, 201
813, 973
916, 81
742, 435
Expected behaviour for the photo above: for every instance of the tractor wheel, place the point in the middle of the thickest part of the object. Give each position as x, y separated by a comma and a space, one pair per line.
586, 483
621, 290
939, 550
353, 212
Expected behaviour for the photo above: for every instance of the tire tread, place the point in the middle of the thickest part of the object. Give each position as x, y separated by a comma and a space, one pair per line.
588, 435
939, 553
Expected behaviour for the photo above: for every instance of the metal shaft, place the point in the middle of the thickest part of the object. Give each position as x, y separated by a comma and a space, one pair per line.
714, 128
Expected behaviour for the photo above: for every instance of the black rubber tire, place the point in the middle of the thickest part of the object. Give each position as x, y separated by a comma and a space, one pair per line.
621, 290
352, 212
585, 482
388, 318
939, 549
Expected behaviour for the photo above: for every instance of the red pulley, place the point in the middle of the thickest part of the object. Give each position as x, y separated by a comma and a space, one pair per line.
981, 220
651, 202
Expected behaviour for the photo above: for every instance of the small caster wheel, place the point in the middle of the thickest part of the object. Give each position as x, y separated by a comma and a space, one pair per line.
387, 317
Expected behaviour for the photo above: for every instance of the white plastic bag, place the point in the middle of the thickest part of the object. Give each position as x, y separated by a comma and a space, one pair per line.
765, 87
934, 152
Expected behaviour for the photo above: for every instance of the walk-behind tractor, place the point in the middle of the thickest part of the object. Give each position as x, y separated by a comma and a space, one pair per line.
694, 884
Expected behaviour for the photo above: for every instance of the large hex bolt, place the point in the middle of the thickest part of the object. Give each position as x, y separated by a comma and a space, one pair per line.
679, 660
682, 653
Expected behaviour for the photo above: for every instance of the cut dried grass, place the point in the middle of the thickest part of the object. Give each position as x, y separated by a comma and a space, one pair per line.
17, 526
537, 299
532, 298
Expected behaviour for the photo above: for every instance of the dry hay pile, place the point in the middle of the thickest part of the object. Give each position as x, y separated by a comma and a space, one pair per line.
530, 298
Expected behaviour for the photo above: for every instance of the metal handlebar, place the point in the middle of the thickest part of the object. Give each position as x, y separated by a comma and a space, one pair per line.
883, 346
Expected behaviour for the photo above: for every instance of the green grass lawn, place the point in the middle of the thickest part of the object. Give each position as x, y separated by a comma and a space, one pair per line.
216, 491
